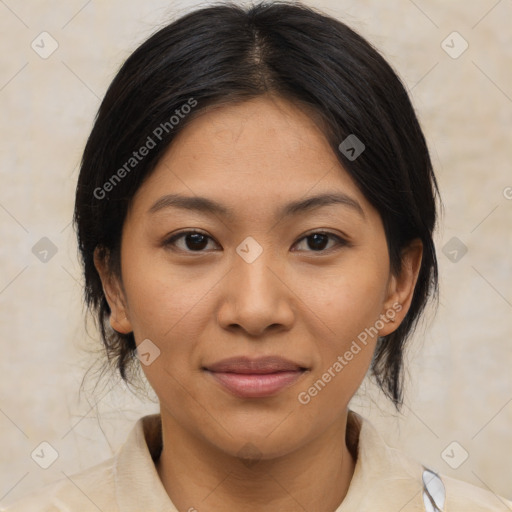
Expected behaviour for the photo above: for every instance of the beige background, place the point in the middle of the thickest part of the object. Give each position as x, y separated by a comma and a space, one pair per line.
461, 359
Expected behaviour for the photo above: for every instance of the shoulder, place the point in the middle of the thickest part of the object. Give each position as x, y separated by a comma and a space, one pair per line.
462, 496
87, 491
449, 494
111, 485
386, 478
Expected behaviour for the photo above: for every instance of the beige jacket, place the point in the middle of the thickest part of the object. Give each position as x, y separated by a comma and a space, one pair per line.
384, 480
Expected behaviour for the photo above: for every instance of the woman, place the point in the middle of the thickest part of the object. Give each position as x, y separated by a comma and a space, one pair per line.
255, 212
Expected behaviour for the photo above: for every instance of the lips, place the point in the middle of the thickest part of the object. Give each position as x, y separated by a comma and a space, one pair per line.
255, 378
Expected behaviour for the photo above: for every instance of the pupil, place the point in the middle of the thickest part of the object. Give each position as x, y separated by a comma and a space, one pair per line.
319, 241
198, 241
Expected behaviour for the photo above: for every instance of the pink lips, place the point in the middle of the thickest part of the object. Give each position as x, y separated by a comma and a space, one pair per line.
255, 378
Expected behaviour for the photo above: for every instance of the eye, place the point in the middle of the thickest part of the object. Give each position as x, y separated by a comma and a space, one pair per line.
193, 241
196, 241
318, 241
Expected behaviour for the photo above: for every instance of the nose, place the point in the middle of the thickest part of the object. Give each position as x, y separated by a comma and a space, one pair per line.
256, 297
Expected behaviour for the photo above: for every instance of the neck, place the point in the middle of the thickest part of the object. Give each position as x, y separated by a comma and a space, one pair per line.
197, 475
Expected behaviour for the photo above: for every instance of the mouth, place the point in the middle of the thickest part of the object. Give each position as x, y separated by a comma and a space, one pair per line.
255, 378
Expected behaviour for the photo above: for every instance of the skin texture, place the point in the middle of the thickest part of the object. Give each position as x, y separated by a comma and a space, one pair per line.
291, 301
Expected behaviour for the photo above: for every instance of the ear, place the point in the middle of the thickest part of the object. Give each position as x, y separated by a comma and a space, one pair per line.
401, 287
114, 293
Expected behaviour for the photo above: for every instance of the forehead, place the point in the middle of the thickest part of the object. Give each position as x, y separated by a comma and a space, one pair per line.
266, 131
253, 154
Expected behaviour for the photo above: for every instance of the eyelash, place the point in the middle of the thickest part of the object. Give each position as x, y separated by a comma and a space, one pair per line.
340, 242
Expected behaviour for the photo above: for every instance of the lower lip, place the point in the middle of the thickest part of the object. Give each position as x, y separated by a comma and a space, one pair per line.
256, 385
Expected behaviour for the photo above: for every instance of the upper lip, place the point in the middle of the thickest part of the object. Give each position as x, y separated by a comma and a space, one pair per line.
261, 365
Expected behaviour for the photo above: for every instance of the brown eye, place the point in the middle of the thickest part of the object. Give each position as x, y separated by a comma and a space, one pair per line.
196, 241
318, 242
191, 241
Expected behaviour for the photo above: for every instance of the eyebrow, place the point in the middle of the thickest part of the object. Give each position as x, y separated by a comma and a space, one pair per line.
205, 205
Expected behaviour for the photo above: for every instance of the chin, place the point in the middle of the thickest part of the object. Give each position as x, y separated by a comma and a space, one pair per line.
258, 448
262, 440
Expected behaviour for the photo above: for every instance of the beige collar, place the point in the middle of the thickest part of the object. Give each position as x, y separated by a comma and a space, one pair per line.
384, 478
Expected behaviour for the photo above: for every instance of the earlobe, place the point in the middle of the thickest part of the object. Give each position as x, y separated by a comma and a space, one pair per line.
113, 292
401, 287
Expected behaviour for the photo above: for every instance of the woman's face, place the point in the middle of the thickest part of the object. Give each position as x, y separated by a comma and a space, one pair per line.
255, 283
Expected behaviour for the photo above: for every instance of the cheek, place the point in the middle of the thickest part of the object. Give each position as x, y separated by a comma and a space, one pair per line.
168, 305
171, 311
347, 307
353, 297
